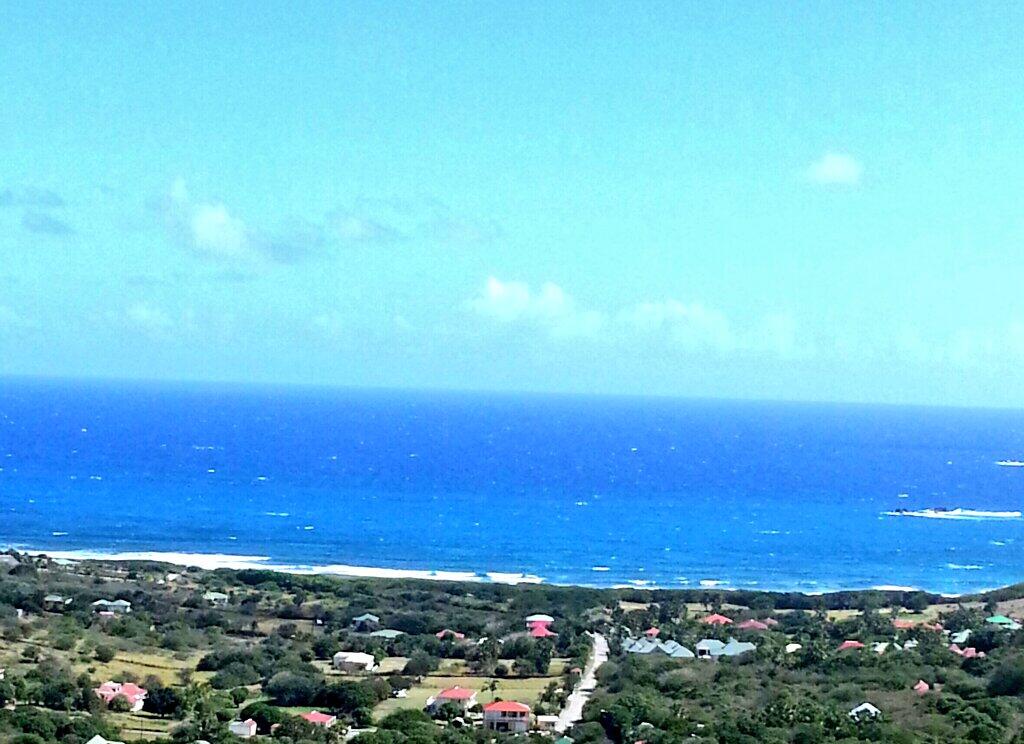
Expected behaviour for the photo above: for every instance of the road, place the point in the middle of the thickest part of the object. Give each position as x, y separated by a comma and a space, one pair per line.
573, 710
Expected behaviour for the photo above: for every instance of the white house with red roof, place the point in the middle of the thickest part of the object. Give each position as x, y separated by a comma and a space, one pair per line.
319, 719
131, 692
462, 697
507, 716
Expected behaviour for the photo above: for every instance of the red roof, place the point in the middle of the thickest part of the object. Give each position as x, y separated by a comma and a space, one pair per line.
319, 718
506, 706
902, 624
652, 632
716, 619
541, 631
850, 644
130, 690
449, 632
456, 693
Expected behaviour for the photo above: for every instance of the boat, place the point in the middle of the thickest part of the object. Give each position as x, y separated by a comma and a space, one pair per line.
957, 513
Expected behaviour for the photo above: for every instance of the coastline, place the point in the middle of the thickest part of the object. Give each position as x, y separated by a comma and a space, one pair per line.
238, 562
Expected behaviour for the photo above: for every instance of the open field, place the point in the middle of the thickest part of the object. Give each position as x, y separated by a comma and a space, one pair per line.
526, 690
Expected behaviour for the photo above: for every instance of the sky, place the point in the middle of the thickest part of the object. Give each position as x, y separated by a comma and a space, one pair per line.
813, 201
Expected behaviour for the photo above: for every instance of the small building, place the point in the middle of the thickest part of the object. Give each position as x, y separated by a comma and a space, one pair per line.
865, 712
217, 599
752, 625
921, 687
117, 606
365, 623
652, 632
792, 648
353, 661
961, 637
709, 648
135, 695
100, 740
324, 720
461, 697
1003, 621
716, 619
737, 648
902, 624
848, 645
243, 729
546, 723
507, 716
387, 634
541, 630
56, 602
449, 635
645, 646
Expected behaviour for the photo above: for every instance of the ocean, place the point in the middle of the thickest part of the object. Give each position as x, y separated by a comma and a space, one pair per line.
597, 491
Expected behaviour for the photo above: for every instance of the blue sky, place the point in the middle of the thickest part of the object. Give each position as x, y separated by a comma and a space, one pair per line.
816, 202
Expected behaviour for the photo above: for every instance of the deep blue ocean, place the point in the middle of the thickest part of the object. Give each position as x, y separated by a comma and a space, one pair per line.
655, 492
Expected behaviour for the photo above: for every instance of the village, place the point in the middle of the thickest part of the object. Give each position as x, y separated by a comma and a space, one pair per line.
96, 652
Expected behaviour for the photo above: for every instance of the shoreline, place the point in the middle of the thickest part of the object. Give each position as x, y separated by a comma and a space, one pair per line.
239, 562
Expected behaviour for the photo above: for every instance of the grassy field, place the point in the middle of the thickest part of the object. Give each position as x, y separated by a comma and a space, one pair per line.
141, 725
163, 666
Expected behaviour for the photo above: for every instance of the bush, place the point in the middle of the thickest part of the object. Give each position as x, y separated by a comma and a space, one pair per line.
105, 654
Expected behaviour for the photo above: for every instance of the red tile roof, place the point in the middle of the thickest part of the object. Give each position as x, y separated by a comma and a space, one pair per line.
316, 717
541, 631
716, 619
850, 644
506, 706
456, 693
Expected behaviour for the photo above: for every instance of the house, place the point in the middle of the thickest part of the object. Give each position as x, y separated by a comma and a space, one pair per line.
1003, 621
752, 625
546, 723
716, 619
921, 687
462, 697
643, 646
449, 634
792, 648
865, 712
217, 599
353, 661
317, 718
962, 637
131, 692
737, 648
55, 602
387, 634
902, 624
541, 630
243, 729
117, 607
507, 716
543, 619
365, 623
652, 632
709, 648
100, 740
847, 645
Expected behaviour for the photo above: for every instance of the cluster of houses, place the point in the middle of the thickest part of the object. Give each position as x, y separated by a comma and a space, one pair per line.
129, 691
707, 648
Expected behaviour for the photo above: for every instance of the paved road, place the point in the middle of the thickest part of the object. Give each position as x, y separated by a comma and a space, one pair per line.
573, 710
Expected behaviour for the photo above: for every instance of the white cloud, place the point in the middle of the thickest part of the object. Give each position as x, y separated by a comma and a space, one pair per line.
671, 324
550, 308
216, 231
834, 168
692, 326
148, 319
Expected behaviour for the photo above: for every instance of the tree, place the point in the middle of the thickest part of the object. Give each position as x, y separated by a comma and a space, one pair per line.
105, 654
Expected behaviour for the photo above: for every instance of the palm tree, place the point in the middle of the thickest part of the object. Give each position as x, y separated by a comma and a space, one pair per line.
492, 687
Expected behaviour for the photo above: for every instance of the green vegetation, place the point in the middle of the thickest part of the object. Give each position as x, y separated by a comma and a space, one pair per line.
263, 651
